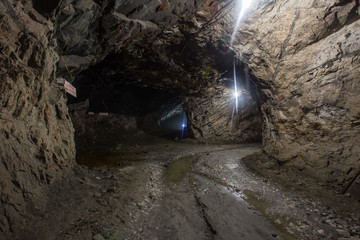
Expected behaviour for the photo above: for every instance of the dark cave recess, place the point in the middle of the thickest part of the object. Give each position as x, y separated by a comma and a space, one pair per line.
122, 99
45, 7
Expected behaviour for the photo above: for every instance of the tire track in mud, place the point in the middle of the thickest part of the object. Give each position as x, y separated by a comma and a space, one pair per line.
245, 194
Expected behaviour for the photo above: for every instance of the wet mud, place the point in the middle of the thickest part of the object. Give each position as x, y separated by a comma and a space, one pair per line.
106, 159
177, 170
179, 190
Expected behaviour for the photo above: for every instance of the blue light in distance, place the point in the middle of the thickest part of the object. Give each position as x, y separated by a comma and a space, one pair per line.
183, 126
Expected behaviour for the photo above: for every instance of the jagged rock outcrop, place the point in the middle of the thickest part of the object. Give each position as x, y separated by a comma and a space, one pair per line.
213, 117
36, 133
90, 30
305, 57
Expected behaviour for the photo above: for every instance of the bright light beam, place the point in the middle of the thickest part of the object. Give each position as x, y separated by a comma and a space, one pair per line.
236, 93
245, 4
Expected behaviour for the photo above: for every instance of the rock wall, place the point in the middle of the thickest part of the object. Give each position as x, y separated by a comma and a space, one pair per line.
305, 55
213, 119
36, 132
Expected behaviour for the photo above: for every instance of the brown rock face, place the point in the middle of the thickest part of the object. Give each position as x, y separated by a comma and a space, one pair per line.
214, 119
305, 56
36, 133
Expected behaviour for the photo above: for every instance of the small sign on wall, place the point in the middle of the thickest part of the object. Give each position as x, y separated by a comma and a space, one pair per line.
70, 88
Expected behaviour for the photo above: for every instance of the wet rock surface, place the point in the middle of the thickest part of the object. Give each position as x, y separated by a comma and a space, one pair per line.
332, 210
188, 191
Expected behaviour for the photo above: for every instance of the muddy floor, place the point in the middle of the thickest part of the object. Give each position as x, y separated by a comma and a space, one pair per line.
183, 190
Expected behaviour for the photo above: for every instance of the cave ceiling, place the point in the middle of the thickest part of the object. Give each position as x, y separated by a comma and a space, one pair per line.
179, 46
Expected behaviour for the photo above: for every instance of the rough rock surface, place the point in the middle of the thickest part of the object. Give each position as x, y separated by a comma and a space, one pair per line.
305, 57
213, 117
90, 30
36, 133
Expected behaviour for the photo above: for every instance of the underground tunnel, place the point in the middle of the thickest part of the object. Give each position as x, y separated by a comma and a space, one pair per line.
228, 119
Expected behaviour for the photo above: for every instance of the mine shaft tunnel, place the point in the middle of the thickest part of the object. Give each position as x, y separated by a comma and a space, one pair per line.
206, 88
114, 99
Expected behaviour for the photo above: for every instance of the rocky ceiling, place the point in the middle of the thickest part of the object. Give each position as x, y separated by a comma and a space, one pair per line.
298, 65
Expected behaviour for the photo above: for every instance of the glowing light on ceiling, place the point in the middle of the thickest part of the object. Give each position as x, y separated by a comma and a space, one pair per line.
241, 8
236, 93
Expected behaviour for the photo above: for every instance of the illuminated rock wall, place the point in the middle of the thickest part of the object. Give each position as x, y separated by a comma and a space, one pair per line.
213, 118
305, 55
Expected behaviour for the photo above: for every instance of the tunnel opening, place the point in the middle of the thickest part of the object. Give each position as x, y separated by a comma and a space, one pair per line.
124, 88
121, 102
113, 109
174, 117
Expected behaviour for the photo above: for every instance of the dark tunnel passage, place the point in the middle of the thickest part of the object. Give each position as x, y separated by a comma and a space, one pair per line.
112, 95
179, 119
110, 106
174, 118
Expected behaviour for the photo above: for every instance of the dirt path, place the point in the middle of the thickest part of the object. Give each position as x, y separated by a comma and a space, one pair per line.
182, 191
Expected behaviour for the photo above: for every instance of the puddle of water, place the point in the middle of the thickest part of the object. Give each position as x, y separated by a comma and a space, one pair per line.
177, 170
231, 165
107, 159
214, 179
281, 223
